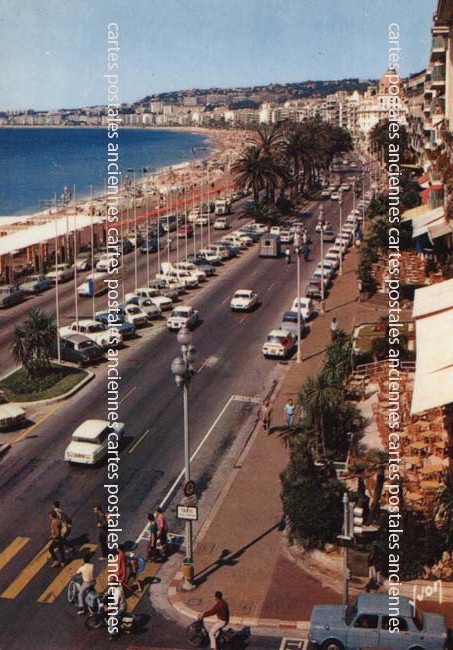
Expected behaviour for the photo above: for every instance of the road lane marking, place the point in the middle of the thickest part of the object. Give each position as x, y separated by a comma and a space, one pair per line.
12, 550
26, 432
128, 394
134, 447
226, 300
208, 362
63, 578
239, 398
25, 576
241, 320
270, 286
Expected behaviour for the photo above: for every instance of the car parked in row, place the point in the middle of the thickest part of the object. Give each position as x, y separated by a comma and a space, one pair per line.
94, 330
126, 329
146, 305
60, 273
279, 344
305, 305
35, 284
163, 303
79, 349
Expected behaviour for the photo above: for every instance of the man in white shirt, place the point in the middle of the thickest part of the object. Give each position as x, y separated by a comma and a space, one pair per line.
87, 573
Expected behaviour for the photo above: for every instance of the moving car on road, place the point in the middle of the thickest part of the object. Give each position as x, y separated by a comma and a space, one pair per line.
244, 300
89, 443
279, 343
184, 316
366, 624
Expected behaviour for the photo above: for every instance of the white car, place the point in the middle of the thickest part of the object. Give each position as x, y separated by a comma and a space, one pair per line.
279, 343
184, 316
342, 243
61, 272
286, 237
89, 442
235, 240
327, 266
97, 332
192, 269
185, 278
275, 230
243, 237
244, 300
345, 187
221, 250
210, 256
334, 259
193, 215
107, 262
203, 220
220, 223
147, 306
306, 307
321, 275
334, 196
258, 227
162, 302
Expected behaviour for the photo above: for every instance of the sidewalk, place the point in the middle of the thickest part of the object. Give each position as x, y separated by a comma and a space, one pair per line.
240, 549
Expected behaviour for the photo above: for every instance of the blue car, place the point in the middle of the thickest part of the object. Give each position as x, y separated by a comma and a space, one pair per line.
126, 329
35, 284
371, 623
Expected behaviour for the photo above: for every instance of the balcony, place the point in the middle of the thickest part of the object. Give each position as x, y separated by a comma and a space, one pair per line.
438, 76
438, 48
437, 109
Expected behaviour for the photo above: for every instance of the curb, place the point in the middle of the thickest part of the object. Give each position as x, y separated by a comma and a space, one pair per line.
52, 400
271, 623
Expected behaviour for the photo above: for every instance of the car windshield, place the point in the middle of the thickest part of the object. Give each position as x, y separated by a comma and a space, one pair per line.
84, 345
87, 441
242, 294
147, 303
133, 310
350, 613
277, 339
95, 328
290, 318
180, 313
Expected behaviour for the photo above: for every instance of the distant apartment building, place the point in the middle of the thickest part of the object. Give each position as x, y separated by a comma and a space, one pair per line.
415, 98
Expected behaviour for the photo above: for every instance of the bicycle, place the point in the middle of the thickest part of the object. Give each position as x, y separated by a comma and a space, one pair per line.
197, 635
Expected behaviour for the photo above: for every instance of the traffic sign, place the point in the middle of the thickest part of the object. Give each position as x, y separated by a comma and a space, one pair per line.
189, 488
187, 512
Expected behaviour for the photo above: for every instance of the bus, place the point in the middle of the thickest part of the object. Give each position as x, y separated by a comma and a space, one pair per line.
94, 284
222, 206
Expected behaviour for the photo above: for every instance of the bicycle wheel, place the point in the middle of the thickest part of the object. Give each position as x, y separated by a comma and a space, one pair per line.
93, 622
194, 637
72, 591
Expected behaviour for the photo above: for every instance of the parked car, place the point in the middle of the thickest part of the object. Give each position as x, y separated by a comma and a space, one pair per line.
327, 266
147, 305
10, 295
126, 246
61, 272
94, 330
210, 256
126, 329
192, 269
333, 258
334, 196
313, 289
83, 263
89, 442
221, 223
290, 322
185, 231
35, 284
306, 306
367, 623
275, 230
202, 220
162, 302
134, 315
107, 262
149, 246
325, 194
322, 274
203, 265
328, 236
286, 237
169, 287
78, 348
279, 343
244, 300
184, 316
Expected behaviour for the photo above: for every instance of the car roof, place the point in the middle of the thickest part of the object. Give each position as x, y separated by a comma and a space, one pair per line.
243, 291
90, 428
279, 332
79, 338
379, 604
87, 321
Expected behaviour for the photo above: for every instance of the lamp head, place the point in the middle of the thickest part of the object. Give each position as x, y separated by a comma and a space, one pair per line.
184, 336
178, 367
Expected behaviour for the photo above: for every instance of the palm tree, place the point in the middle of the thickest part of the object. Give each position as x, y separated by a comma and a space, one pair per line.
269, 138
317, 396
33, 341
256, 170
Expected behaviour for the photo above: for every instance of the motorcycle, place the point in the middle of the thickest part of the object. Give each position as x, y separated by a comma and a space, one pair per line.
100, 618
90, 598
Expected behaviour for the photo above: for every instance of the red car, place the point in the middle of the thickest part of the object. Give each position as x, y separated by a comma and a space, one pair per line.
185, 230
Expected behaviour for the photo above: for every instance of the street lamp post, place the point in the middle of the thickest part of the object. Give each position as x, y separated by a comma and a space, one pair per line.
340, 204
299, 316
321, 234
183, 370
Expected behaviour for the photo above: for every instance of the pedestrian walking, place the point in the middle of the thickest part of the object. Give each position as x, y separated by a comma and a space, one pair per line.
132, 569
152, 544
66, 524
290, 412
334, 328
56, 540
88, 581
103, 527
121, 566
222, 611
162, 531
288, 255
306, 252
265, 415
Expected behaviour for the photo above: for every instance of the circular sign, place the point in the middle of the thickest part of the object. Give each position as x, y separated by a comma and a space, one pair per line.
189, 488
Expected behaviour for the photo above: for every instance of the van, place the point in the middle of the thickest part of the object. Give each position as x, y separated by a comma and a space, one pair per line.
270, 246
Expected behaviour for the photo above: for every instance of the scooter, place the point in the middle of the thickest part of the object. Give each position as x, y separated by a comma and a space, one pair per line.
100, 618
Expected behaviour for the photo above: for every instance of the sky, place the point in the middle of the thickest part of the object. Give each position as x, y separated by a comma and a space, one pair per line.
53, 53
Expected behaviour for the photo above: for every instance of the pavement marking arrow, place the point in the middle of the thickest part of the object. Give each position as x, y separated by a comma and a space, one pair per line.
63, 578
12, 550
25, 576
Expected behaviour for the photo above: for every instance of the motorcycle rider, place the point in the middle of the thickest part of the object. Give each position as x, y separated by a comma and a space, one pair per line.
306, 252
88, 581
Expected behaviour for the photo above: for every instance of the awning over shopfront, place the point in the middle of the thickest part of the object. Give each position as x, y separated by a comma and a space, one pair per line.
433, 313
422, 223
413, 213
39, 234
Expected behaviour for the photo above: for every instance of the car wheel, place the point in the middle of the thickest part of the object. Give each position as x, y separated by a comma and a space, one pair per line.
332, 644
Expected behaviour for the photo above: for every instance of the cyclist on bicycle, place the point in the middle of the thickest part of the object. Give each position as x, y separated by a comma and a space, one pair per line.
221, 610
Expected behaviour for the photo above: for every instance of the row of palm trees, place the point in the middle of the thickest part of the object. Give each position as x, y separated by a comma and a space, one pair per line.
289, 156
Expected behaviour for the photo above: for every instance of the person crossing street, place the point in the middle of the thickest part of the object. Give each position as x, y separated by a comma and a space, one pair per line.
56, 540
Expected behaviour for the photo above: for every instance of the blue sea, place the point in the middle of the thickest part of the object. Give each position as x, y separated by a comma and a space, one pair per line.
37, 163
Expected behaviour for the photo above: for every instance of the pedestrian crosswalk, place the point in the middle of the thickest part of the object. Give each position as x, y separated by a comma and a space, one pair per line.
59, 583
